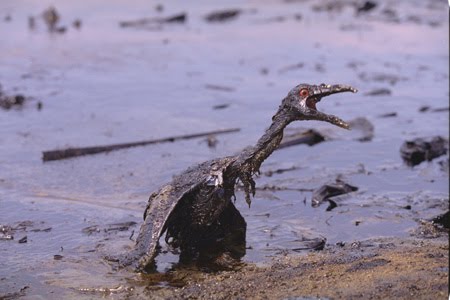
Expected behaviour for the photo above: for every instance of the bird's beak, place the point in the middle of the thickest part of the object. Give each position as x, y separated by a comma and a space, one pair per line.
327, 89
324, 90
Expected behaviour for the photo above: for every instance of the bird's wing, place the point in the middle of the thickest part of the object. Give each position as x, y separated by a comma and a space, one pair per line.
161, 205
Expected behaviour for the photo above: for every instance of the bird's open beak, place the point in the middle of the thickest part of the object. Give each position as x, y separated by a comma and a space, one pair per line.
324, 90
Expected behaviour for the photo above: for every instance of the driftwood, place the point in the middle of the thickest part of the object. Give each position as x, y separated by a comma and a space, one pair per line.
73, 152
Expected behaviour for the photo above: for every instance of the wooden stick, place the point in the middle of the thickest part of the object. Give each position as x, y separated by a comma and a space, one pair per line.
73, 152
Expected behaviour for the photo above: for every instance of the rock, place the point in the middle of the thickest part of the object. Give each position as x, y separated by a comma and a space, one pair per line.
330, 190
416, 151
442, 220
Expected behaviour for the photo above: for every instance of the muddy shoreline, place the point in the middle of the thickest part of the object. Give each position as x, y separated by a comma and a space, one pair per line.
371, 269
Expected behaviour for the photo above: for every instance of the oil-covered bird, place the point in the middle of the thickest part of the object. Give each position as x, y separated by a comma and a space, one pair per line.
198, 203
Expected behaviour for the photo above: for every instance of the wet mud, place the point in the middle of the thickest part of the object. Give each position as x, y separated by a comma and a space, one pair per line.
371, 269
179, 69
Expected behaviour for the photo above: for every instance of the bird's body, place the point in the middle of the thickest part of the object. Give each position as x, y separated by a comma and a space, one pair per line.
196, 207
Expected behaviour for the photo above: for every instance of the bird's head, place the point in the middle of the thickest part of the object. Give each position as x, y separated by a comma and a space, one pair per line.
300, 103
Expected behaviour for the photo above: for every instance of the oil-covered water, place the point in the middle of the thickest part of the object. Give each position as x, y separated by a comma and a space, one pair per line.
104, 84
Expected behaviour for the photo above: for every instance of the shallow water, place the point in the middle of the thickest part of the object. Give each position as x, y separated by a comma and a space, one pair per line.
105, 84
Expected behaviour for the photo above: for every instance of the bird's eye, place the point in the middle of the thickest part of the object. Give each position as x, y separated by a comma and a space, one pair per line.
304, 93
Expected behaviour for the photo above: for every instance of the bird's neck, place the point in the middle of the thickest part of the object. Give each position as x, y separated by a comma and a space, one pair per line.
253, 157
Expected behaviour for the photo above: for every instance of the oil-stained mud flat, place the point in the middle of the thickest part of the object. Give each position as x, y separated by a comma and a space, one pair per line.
357, 214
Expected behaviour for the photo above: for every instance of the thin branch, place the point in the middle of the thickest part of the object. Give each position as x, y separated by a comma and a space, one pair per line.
73, 152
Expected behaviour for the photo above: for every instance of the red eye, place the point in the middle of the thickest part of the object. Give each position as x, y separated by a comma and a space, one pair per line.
304, 93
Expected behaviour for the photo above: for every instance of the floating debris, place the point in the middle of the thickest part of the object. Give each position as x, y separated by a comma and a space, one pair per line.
221, 106
379, 92
222, 15
144, 22
331, 190
219, 88
366, 7
388, 115
280, 171
426, 108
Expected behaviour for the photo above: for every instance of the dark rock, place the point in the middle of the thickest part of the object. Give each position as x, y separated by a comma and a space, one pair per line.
148, 22
330, 190
442, 220
332, 205
416, 151
23, 240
